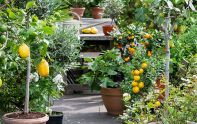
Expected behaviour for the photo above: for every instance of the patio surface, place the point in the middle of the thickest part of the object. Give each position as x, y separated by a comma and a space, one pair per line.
84, 109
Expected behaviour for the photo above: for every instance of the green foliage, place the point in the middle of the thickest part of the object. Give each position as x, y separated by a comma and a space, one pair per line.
64, 48
182, 101
181, 105
142, 111
113, 8
41, 35
105, 71
78, 3
184, 48
94, 3
44, 8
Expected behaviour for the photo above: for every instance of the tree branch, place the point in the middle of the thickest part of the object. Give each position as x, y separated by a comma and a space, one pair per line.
5, 44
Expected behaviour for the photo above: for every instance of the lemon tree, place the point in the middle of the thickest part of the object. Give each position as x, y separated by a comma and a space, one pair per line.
29, 41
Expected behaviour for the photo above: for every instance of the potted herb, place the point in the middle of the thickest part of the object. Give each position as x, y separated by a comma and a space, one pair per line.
106, 75
97, 9
60, 50
77, 6
113, 8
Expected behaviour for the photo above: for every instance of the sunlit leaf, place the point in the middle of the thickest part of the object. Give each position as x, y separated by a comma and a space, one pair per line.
30, 4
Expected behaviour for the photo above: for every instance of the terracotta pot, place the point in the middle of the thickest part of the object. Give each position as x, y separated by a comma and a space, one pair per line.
79, 11
112, 98
107, 29
97, 12
7, 120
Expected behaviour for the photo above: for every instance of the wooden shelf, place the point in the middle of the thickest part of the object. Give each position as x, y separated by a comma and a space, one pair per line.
89, 54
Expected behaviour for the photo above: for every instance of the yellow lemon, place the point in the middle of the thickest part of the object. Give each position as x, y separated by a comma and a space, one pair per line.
43, 68
136, 90
157, 103
134, 84
131, 50
136, 78
149, 53
136, 72
1, 82
86, 31
93, 30
141, 70
141, 85
148, 36
126, 59
144, 65
24, 51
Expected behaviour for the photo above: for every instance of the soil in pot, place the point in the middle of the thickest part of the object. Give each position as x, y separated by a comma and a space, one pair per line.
112, 98
78, 11
55, 118
107, 29
21, 118
97, 12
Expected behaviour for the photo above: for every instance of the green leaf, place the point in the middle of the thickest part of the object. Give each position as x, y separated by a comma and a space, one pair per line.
11, 14
48, 30
112, 72
30, 4
43, 49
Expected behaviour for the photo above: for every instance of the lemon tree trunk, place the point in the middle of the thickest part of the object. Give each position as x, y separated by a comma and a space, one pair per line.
26, 107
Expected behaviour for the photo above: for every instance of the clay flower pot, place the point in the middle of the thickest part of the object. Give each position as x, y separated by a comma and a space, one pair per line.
79, 11
107, 29
112, 98
97, 12
36, 118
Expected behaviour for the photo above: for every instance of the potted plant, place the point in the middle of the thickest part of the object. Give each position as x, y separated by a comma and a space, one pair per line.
112, 9
59, 42
23, 38
77, 6
97, 9
105, 74
27, 117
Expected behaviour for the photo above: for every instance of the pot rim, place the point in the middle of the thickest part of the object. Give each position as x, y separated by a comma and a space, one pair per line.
108, 25
97, 7
46, 117
77, 8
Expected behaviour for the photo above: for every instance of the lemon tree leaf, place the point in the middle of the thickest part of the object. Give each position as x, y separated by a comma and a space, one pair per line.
30, 4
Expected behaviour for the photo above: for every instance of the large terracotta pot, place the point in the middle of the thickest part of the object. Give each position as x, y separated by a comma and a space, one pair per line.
79, 11
107, 29
8, 120
112, 98
97, 12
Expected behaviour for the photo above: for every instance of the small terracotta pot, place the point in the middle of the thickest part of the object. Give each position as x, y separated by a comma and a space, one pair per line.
7, 120
112, 98
79, 11
107, 29
97, 12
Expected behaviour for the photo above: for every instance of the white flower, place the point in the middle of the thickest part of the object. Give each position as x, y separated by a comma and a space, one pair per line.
58, 80
126, 96
34, 77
